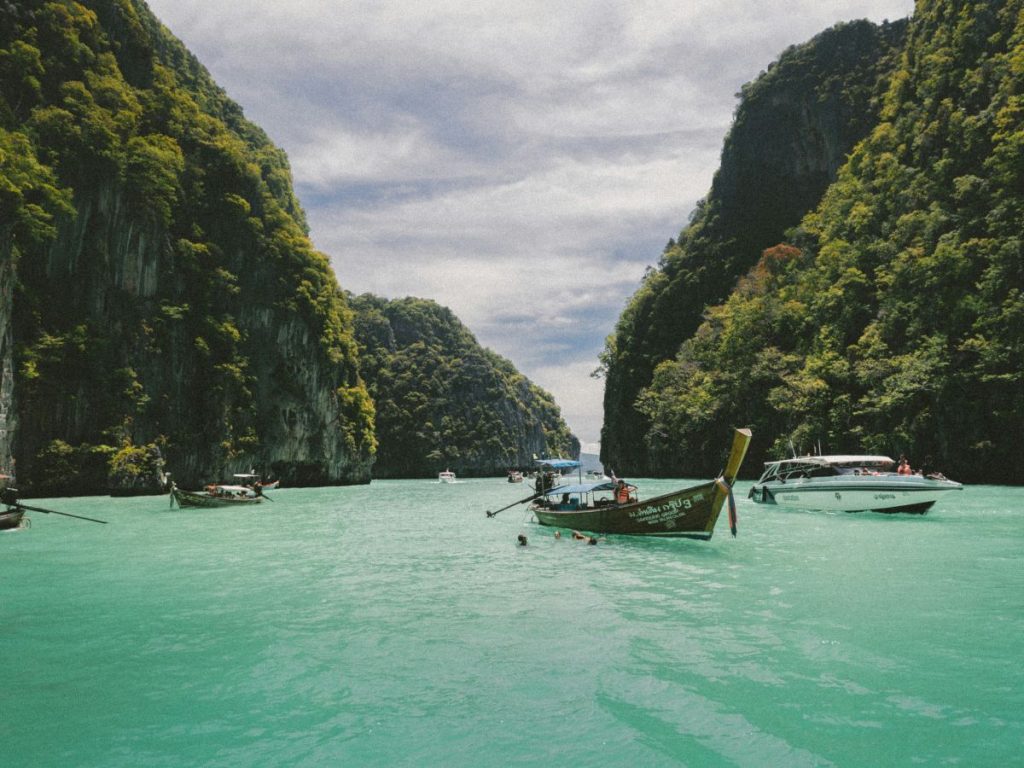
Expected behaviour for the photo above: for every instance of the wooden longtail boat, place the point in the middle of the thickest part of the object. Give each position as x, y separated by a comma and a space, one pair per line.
11, 518
217, 496
250, 479
13, 512
687, 513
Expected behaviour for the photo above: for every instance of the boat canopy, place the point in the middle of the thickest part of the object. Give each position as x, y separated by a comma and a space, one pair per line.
606, 485
835, 461
558, 464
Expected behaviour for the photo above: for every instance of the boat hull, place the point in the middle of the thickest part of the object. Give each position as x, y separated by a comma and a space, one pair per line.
11, 518
201, 499
908, 494
690, 513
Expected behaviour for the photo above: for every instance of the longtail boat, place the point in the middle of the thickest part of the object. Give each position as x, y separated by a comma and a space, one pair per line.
11, 518
13, 511
687, 513
11, 514
252, 479
216, 496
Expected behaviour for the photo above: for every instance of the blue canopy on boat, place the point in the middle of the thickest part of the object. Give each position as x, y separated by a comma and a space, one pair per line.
604, 485
558, 464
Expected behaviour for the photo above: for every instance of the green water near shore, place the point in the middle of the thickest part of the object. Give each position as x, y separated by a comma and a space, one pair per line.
394, 624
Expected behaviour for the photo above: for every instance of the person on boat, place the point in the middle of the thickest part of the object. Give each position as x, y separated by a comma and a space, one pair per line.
622, 492
904, 467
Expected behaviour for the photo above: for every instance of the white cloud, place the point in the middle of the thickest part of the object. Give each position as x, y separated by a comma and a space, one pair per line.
521, 163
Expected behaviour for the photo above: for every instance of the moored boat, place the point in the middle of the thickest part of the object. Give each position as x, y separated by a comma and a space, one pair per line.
12, 513
216, 496
848, 483
11, 518
251, 480
687, 513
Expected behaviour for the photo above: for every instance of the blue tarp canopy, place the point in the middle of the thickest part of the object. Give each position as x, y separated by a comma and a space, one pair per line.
558, 464
604, 485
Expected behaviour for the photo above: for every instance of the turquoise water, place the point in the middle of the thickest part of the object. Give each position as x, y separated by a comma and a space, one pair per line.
395, 625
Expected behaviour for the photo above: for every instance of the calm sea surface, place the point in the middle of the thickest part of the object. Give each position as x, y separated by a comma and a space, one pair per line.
396, 625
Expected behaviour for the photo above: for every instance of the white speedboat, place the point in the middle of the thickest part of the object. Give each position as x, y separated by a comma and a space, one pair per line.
446, 477
848, 484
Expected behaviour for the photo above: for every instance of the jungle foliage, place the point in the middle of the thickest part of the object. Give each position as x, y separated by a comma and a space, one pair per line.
444, 401
146, 218
792, 130
892, 319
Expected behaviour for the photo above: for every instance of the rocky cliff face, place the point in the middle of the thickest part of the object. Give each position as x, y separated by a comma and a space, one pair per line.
793, 129
7, 413
176, 305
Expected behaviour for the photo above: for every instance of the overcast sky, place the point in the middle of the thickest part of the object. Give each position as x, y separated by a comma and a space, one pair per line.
519, 162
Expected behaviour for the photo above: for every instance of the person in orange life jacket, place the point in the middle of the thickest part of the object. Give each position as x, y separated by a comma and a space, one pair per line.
621, 492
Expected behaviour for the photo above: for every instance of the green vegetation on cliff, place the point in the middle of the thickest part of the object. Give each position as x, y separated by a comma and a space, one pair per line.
443, 401
793, 128
167, 291
893, 321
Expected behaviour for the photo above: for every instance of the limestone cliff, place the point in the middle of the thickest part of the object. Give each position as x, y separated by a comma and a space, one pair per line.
7, 417
793, 128
168, 296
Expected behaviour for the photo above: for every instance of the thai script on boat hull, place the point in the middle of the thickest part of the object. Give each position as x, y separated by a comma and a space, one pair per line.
662, 512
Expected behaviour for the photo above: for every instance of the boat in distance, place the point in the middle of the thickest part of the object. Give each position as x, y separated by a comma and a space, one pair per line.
446, 477
216, 496
687, 513
848, 483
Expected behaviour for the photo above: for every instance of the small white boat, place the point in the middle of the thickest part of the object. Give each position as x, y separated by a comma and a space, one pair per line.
446, 477
848, 484
515, 476
250, 479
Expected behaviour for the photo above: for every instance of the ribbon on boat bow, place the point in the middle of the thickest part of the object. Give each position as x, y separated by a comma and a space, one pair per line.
722, 483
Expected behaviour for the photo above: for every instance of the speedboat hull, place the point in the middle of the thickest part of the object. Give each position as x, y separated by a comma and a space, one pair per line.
849, 493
